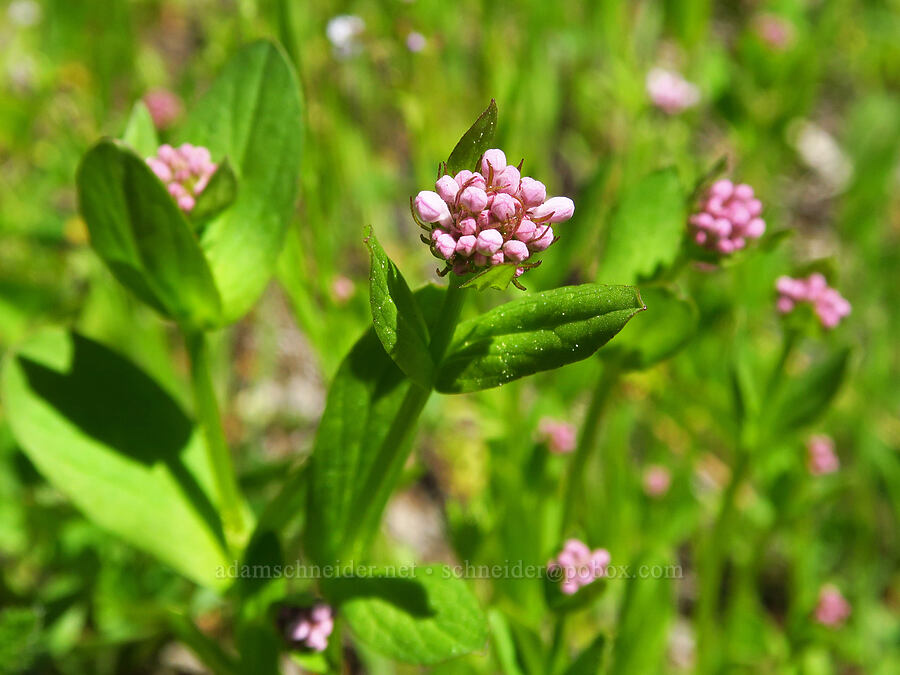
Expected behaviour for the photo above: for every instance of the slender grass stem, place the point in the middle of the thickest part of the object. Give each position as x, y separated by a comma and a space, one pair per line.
207, 411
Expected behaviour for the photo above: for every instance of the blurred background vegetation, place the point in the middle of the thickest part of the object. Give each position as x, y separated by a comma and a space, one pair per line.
811, 120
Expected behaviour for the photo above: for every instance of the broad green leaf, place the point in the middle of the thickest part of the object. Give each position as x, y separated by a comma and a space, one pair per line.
802, 399
106, 435
535, 333
423, 617
253, 115
143, 237
398, 322
589, 661
646, 229
474, 142
660, 332
217, 196
140, 132
365, 396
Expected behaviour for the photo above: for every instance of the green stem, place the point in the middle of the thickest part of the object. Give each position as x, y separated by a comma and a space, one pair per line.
207, 411
395, 449
587, 440
557, 647
716, 550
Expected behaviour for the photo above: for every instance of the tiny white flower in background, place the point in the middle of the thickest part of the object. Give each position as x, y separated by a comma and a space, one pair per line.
670, 92
821, 152
415, 42
24, 13
343, 32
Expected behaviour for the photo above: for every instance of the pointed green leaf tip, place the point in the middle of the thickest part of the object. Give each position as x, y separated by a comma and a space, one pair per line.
498, 276
474, 142
535, 333
398, 322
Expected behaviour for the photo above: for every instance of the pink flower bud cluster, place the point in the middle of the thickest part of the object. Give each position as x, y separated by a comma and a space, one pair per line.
309, 627
559, 436
670, 92
577, 565
164, 107
833, 609
185, 170
829, 305
657, 480
728, 218
480, 219
821, 458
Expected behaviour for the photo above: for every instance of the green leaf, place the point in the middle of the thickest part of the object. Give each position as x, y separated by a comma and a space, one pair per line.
539, 332
660, 332
253, 115
646, 230
398, 322
217, 196
140, 132
590, 661
365, 396
474, 142
423, 617
497, 276
20, 638
802, 399
143, 237
106, 435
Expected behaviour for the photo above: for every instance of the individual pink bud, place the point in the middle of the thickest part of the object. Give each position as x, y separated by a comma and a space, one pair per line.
160, 168
437, 232
560, 438
754, 206
177, 190
467, 226
483, 221
447, 188
725, 246
493, 160
832, 609
701, 237
532, 192
722, 188
815, 284
167, 153
465, 245
463, 177
739, 214
722, 227
784, 305
703, 220
743, 191
473, 199
525, 231
488, 242
755, 228
657, 480
821, 458
446, 246
430, 207
738, 243
504, 207
554, 210
786, 285
516, 251
497, 258
508, 181
543, 241
301, 630
186, 203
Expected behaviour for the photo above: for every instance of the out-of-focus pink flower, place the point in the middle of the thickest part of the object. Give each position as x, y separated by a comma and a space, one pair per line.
415, 42
559, 436
342, 289
774, 31
165, 107
477, 219
186, 171
670, 92
821, 458
729, 217
833, 609
829, 305
657, 480
307, 627
577, 566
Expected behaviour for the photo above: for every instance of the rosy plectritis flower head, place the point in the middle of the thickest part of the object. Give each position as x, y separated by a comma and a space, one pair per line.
164, 107
821, 458
307, 627
185, 170
559, 436
477, 219
670, 92
833, 609
657, 480
829, 305
577, 566
728, 218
